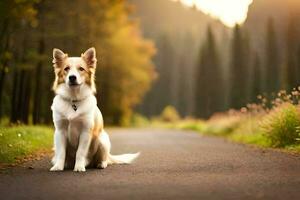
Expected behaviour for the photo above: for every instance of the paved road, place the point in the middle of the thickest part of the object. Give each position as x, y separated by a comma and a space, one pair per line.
173, 165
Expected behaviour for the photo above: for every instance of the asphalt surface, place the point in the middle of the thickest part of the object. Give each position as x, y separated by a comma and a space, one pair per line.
173, 165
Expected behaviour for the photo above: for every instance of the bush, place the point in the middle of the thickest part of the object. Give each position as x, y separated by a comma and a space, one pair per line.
169, 114
281, 125
223, 124
138, 120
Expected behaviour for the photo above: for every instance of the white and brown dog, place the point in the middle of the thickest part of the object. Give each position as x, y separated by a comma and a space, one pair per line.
79, 138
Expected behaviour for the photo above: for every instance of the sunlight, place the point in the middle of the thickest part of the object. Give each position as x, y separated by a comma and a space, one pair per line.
230, 12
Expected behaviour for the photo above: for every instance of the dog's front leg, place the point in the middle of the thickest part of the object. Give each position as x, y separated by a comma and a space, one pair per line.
82, 151
60, 142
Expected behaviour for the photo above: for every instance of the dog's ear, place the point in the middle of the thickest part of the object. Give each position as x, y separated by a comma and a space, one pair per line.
58, 56
89, 57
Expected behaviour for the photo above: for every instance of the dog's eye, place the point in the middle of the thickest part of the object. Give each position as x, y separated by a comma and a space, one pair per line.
67, 69
81, 68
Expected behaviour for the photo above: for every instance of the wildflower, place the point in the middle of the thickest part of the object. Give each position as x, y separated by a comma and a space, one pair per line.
264, 100
243, 110
294, 93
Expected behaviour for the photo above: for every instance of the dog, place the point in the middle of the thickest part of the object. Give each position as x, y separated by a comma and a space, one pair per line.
79, 139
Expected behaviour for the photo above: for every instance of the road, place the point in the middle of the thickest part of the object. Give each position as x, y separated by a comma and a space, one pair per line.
173, 165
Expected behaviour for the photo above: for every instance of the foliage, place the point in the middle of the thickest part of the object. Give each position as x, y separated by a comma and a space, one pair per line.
191, 124
19, 141
209, 97
138, 120
239, 68
271, 123
222, 126
125, 70
169, 114
282, 125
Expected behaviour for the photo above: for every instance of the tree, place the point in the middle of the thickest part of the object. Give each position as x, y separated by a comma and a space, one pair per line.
13, 15
125, 70
239, 69
292, 66
186, 75
257, 78
209, 96
272, 70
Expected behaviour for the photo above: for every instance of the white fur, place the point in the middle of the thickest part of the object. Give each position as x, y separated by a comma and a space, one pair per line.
72, 128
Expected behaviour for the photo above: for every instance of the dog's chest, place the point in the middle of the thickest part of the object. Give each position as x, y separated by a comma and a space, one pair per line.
74, 130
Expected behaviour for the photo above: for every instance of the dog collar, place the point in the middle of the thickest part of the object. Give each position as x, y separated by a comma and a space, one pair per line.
73, 102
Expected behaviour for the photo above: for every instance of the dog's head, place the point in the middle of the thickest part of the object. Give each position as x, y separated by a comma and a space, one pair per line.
74, 71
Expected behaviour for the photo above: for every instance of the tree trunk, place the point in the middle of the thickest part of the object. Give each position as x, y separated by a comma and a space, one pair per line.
5, 48
14, 109
2, 79
37, 93
26, 98
20, 97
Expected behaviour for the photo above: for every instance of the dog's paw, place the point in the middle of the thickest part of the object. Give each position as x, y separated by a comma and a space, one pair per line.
57, 168
79, 168
102, 165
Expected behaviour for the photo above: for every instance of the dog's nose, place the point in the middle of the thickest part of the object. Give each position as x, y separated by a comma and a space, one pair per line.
72, 78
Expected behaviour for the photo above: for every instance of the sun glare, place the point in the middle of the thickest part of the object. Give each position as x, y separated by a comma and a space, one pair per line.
230, 12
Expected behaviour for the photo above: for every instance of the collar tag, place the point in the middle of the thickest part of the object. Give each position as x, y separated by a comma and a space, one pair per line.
74, 107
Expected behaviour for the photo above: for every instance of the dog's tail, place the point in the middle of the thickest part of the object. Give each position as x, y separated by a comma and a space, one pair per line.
123, 158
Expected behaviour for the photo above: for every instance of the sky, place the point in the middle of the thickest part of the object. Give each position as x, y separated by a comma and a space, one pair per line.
230, 12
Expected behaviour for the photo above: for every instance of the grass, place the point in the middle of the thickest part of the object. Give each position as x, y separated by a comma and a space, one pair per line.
271, 123
249, 130
282, 124
20, 141
278, 128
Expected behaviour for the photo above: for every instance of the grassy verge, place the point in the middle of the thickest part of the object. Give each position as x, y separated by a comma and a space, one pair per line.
278, 128
20, 141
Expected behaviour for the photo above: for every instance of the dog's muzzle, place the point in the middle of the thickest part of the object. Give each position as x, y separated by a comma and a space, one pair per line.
73, 80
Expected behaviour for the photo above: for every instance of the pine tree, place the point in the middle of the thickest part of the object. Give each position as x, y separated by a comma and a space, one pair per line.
209, 79
257, 77
239, 69
272, 71
292, 78
186, 74
183, 87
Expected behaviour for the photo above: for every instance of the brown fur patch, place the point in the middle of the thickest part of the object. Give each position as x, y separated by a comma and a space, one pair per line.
89, 58
59, 62
60, 74
90, 79
98, 126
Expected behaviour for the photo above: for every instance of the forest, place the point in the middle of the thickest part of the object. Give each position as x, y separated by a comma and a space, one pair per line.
205, 67
146, 62
30, 29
